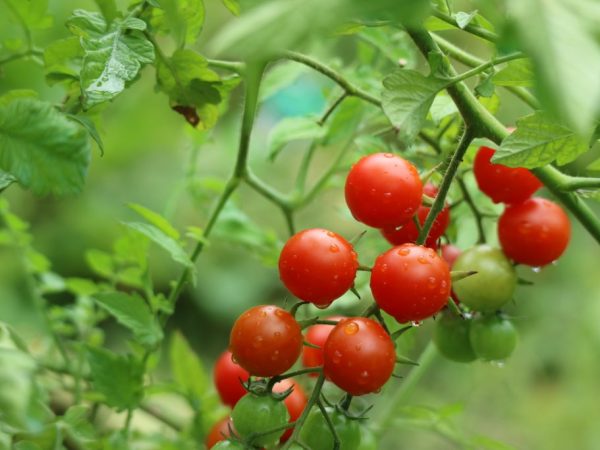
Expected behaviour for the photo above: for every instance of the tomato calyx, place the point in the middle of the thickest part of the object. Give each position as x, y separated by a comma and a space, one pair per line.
264, 387
457, 275
343, 407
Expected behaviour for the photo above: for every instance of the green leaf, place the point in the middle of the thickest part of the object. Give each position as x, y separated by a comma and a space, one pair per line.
90, 127
293, 129
594, 166
26, 445
280, 76
100, 262
33, 13
442, 106
463, 19
187, 369
63, 59
6, 179
182, 19
537, 141
132, 312
562, 39
114, 54
108, 8
42, 148
233, 6
14, 94
407, 97
486, 87
516, 73
76, 421
155, 219
118, 378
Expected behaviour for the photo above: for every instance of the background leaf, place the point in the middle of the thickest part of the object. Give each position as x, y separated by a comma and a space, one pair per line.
182, 19
291, 129
516, 73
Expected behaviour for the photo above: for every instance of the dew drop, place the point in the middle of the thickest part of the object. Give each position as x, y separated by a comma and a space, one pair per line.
554, 263
384, 268
416, 323
333, 248
233, 360
337, 357
330, 234
263, 314
404, 251
323, 306
387, 194
351, 328
257, 341
277, 334
358, 347
431, 281
363, 377
388, 155
275, 355
422, 260
536, 269
500, 364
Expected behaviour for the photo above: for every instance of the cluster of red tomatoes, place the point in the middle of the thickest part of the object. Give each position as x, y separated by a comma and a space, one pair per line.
409, 282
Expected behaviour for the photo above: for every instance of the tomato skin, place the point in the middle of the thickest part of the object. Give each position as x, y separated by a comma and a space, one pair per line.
228, 377
295, 402
219, 432
449, 254
409, 233
410, 282
535, 232
451, 337
316, 434
316, 335
383, 190
317, 266
257, 414
359, 356
493, 338
266, 340
494, 283
503, 184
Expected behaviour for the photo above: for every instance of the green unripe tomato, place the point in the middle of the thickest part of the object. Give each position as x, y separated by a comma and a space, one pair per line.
258, 414
451, 337
367, 439
493, 338
494, 283
228, 445
316, 434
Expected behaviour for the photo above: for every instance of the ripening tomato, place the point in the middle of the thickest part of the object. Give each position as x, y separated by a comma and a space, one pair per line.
316, 335
266, 340
228, 377
493, 338
410, 282
535, 232
219, 432
259, 414
317, 266
503, 184
409, 233
449, 254
295, 402
383, 190
359, 356
451, 337
316, 434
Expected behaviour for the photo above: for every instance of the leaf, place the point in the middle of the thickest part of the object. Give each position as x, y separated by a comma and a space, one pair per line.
63, 59
186, 367
114, 54
537, 141
594, 166
117, 378
132, 312
156, 219
6, 179
27, 445
33, 13
14, 94
280, 76
108, 8
76, 421
42, 148
17, 369
486, 87
100, 262
182, 19
516, 73
442, 106
233, 6
407, 97
292, 129
463, 19
90, 127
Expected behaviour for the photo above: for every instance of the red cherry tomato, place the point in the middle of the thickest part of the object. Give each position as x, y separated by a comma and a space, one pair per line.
317, 266
410, 233
359, 356
295, 402
219, 432
503, 184
449, 254
535, 232
383, 190
410, 282
228, 377
266, 340
316, 335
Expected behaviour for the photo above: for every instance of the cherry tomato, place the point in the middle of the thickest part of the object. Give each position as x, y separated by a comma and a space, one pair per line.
383, 190
494, 283
316, 335
493, 338
451, 337
316, 434
503, 184
318, 266
449, 254
409, 232
258, 414
228, 377
535, 232
219, 432
266, 340
295, 402
410, 282
359, 356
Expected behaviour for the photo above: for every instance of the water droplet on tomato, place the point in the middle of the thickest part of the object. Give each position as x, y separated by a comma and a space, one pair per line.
351, 328
536, 269
275, 355
416, 323
387, 194
257, 341
358, 347
403, 251
422, 260
388, 155
432, 282
333, 248
330, 234
337, 357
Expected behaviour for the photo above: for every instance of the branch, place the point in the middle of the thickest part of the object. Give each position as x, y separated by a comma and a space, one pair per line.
470, 28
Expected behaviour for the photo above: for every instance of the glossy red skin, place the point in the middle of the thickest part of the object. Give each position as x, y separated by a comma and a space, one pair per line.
316, 335
317, 266
503, 184
228, 377
359, 356
449, 254
266, 340
535, 232
295, 402
409, 232
219, 432
383, 190
410, 282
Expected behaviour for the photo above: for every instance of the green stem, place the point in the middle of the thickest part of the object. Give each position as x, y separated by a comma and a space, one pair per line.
470, 28
330, 425
22, 24
476, 214
573, 183
338, 101
17, 56
233, 66
483, 67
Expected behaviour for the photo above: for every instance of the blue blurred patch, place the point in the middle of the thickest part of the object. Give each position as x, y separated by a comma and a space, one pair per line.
303, 97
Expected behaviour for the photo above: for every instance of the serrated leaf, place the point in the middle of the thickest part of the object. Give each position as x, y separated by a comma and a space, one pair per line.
293, 129
76, 421
492, 104
33, 13
113, 54
90, 127
14, 94
132, 312
118, 378
155, 219
441, 107
463, 18
516, 73
486, 87
407, 97
537, 141
63, 59
42, 148
187, 369
108, 8
233, 6
6, 179
182, 19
